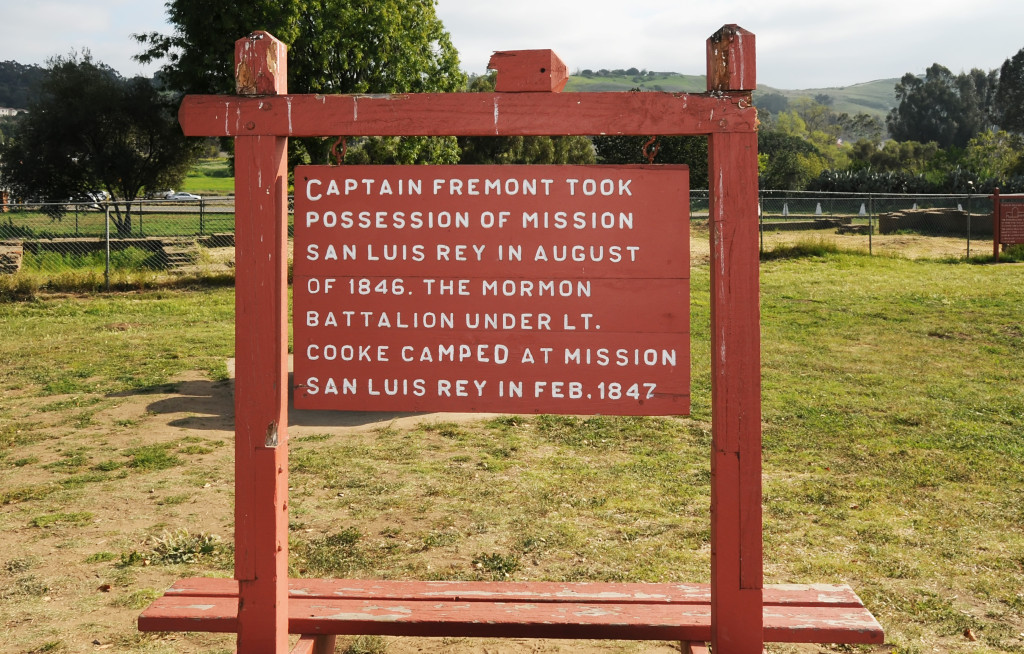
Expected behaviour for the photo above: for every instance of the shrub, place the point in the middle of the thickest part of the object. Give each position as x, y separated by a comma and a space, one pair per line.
183, 547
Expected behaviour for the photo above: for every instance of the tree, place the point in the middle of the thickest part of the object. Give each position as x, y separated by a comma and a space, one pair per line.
335, 46
893, 156
771, 103
994, 156
791, 161
16, 82
91, 129
522, 149
823, 126
945, 108
1009, 99
689, 150
200, 53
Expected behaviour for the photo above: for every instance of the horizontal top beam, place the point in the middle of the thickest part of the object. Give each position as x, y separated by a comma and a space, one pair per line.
468, 114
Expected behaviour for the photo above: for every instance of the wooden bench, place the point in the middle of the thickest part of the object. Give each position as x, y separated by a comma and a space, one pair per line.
794, 613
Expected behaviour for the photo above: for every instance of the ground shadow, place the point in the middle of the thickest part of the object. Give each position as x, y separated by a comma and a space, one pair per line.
210, 405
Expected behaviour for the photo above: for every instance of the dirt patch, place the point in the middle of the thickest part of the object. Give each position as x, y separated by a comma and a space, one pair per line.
108, 474
909, 246
79, 560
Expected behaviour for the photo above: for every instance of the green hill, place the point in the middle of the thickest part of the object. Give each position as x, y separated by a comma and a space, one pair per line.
874, 98
668, 82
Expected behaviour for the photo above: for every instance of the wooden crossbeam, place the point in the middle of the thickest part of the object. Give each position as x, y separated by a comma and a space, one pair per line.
466, 114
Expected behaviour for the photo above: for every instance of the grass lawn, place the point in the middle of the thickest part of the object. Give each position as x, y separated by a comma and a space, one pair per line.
894, 462
210, 177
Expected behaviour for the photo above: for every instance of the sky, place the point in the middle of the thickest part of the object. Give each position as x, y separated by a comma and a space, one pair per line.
800, 43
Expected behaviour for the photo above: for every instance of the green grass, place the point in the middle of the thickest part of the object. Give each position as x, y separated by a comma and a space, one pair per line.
85, 349
801, 249
67, 519
149, 218
893, 455
210, 177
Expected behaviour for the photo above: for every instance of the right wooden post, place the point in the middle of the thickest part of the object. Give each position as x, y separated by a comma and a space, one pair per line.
737, 579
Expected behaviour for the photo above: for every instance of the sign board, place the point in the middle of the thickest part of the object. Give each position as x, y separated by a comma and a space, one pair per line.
1011, 222
512, 289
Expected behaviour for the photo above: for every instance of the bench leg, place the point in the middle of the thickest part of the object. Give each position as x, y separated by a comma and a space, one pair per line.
314, 644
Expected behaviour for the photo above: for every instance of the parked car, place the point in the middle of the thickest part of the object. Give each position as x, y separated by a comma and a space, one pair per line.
182, 195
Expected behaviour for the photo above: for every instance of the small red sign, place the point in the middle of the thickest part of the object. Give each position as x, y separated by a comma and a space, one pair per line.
512, 289
1011, 227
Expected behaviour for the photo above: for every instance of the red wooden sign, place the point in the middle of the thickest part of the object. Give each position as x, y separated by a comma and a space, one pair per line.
1011, 224
539, 289
1008, 214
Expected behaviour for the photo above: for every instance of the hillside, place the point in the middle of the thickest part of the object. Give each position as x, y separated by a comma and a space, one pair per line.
669, 82
16, 82
874, 98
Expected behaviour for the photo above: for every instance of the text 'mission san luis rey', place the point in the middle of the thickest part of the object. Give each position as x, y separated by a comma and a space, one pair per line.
554, 289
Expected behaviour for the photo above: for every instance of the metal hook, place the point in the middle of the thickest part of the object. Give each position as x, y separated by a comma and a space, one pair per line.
651, 155
339, 159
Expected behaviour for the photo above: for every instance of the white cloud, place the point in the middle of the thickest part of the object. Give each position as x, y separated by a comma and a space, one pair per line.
801, 43
41, 29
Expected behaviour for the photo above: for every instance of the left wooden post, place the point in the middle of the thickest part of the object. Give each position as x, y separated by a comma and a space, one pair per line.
261, 365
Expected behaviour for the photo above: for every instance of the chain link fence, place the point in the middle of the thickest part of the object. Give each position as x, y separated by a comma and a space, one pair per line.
171, 237
145, 236
938, 226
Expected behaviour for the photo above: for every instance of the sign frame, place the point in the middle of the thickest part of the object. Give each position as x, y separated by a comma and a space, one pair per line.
263, 116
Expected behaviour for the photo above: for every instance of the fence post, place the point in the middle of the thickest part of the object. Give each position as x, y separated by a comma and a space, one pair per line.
202, 203
106, 267
871, 224
997, 223
760, 222
968, 225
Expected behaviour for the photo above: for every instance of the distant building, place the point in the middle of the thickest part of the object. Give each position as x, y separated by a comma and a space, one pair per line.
7, 111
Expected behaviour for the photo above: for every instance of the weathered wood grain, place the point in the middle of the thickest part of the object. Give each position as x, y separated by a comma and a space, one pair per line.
518, 591
538, 610
466, 114
521, 71
261, 372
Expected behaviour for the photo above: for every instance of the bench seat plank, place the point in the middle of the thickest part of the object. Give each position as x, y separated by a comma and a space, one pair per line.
535, 610
511, 591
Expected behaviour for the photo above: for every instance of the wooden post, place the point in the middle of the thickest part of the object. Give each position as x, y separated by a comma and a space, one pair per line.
997, 216
736, 542
261, 350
